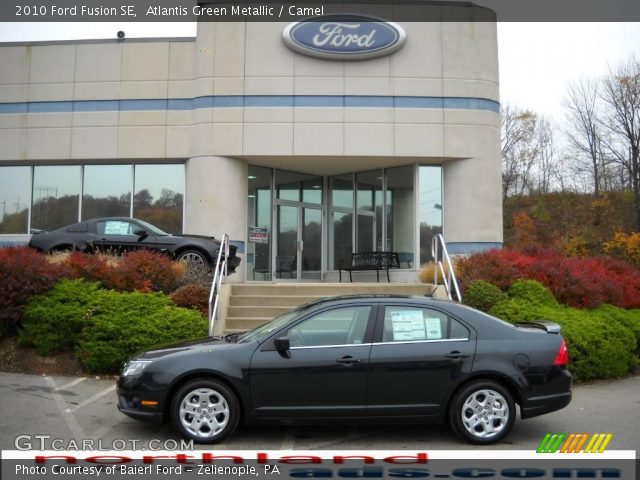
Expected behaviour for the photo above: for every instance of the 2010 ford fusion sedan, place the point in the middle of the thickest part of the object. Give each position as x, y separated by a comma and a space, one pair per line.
353, 359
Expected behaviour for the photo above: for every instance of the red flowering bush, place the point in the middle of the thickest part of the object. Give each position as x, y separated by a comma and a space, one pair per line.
23, 273
145, 271
579, 282
193, 295
92, 268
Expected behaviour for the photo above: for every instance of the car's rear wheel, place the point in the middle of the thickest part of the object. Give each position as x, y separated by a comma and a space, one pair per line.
482, 412
205, 410
196, 263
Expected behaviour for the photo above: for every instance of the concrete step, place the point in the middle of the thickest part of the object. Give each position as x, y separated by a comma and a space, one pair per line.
271, 301
241, 324
328, 289
256, 311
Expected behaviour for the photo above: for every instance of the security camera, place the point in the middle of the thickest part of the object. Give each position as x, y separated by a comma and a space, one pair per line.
120, 35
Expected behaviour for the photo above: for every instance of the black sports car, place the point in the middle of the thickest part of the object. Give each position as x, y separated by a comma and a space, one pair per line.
361, 358
121, 234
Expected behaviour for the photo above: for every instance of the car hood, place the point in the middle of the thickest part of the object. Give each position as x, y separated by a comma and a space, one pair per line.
207, 343
203, 237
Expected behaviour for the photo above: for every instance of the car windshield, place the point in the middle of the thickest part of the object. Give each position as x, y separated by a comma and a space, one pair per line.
263, 331
152, 228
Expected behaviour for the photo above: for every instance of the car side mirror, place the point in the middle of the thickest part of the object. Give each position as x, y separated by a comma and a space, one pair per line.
282, 346
141, 233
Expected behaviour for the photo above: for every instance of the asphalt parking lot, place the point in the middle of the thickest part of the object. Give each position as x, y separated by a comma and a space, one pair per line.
85, 408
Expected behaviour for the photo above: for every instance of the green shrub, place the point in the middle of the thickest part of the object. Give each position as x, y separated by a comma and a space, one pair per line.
107, 343
105, 327
53, 321
602, 343
483, 295
533, 292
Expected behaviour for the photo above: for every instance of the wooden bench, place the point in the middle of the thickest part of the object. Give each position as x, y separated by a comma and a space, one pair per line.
364, 261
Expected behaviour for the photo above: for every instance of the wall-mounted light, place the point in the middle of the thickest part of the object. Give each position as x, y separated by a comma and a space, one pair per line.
252, 177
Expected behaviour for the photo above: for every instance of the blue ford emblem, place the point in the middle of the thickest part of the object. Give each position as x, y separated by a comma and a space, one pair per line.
344, 37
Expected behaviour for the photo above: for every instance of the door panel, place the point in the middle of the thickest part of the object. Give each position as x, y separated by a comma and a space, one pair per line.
319, 377
118, 236
287, 242
411, 371
311, 262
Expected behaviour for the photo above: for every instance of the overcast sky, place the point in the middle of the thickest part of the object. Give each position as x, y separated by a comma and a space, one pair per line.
537, 60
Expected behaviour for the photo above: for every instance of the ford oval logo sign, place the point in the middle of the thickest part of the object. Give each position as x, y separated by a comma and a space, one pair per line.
344, 37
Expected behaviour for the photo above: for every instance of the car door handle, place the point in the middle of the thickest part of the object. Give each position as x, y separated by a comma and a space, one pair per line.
456, 354
348, 360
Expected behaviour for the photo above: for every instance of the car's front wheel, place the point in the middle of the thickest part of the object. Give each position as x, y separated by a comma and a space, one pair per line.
205, 410
196, 263
482, 412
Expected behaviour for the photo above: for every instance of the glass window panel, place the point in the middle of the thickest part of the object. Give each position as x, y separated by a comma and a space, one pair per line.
430, 209
405, 324
342, 191
298, 187
369, 198
401, 214
107, 191
312, 190
341, 239
259, 215
56, 196
15, 195
365, 234
159, 195
343, 326
368, 184
288, 185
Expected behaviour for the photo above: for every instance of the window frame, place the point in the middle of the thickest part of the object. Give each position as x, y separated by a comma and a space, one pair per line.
379, 325
268, 345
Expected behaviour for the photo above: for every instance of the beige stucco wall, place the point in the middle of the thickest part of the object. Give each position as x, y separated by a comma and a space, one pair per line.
438, 60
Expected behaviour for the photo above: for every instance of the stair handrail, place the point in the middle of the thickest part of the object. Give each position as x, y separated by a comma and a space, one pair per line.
220, 272
448, 277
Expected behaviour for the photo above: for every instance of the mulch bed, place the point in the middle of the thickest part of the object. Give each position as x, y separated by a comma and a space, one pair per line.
17, 359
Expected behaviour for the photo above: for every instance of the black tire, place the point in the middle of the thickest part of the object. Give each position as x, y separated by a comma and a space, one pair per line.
196, 262
62, 249
477, 419
207, 424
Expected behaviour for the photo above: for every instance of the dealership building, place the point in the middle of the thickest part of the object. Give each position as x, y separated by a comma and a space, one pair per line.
303, 142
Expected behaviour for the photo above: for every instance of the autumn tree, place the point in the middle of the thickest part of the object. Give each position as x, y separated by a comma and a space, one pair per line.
585, 131
621, 96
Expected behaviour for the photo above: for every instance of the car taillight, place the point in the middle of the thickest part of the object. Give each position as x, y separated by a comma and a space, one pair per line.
561, 357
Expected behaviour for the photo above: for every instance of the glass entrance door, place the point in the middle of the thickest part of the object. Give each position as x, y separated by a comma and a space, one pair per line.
299, 237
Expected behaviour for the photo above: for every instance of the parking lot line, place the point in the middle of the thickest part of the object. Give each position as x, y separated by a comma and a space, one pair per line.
72, 383
92, 399
72, 423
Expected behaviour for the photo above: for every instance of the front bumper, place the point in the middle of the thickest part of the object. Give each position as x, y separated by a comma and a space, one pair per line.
130, 401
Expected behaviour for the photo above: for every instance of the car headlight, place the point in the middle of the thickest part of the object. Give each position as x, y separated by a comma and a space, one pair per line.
135, 367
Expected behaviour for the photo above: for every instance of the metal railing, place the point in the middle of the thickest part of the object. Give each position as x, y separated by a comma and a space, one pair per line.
440, 254
219, 273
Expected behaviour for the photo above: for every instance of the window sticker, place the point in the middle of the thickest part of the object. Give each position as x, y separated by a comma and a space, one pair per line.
434, 331
116, 228
408, 325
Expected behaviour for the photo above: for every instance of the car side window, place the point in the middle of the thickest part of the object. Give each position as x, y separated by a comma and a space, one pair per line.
340, 326
405, 324
116, 227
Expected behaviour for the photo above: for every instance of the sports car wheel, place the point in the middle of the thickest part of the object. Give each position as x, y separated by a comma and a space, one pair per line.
205, 410
483, 412
197, 265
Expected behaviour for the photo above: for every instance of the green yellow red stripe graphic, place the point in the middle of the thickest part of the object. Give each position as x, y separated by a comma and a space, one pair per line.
581, 442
